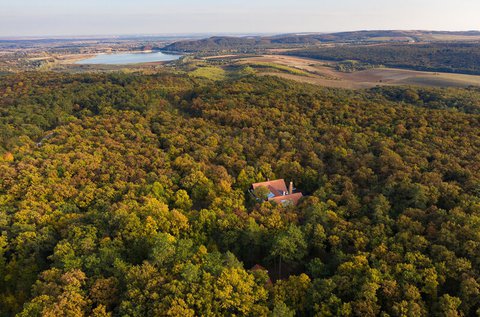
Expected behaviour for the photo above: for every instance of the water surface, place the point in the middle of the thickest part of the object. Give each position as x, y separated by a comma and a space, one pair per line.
129, 58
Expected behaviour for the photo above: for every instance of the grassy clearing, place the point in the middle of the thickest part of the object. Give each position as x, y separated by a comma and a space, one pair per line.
329, 75
279, 67
356, 76
209, 72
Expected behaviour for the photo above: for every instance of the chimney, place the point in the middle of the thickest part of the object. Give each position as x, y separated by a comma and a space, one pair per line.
290, 188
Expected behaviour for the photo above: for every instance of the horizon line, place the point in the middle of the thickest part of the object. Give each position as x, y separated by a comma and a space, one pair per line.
199, 34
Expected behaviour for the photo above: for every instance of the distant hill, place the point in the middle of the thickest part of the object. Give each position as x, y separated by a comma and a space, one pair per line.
218, 43
248, 44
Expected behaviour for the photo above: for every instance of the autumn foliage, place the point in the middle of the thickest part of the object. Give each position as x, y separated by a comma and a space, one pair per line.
126, 195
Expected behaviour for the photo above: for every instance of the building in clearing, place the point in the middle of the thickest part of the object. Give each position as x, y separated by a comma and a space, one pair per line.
277, 192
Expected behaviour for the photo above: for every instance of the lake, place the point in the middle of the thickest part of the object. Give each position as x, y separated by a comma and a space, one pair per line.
129, 58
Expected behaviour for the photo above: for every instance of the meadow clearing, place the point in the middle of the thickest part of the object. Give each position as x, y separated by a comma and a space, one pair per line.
324, 73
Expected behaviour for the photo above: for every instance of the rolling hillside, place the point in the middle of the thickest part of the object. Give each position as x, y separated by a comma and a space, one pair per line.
241, 44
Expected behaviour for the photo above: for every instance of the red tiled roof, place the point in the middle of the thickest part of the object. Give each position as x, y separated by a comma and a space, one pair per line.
294, 198
279, 190
277, 187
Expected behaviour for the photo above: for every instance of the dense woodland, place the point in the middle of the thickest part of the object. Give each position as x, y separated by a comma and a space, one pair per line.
440, 57
126, 195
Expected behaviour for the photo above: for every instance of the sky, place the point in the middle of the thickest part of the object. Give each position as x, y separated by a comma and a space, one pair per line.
125, 17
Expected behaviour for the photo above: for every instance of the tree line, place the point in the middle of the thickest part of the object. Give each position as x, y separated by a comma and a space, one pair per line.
438, 57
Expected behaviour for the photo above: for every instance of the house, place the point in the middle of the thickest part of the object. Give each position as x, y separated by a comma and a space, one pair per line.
278, 192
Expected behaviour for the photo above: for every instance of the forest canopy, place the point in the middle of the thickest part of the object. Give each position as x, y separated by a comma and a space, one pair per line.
127, 195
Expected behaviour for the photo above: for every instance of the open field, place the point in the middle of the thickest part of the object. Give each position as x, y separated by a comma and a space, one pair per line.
209, 72
446, 37
324, 73
71, 58
390, 39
